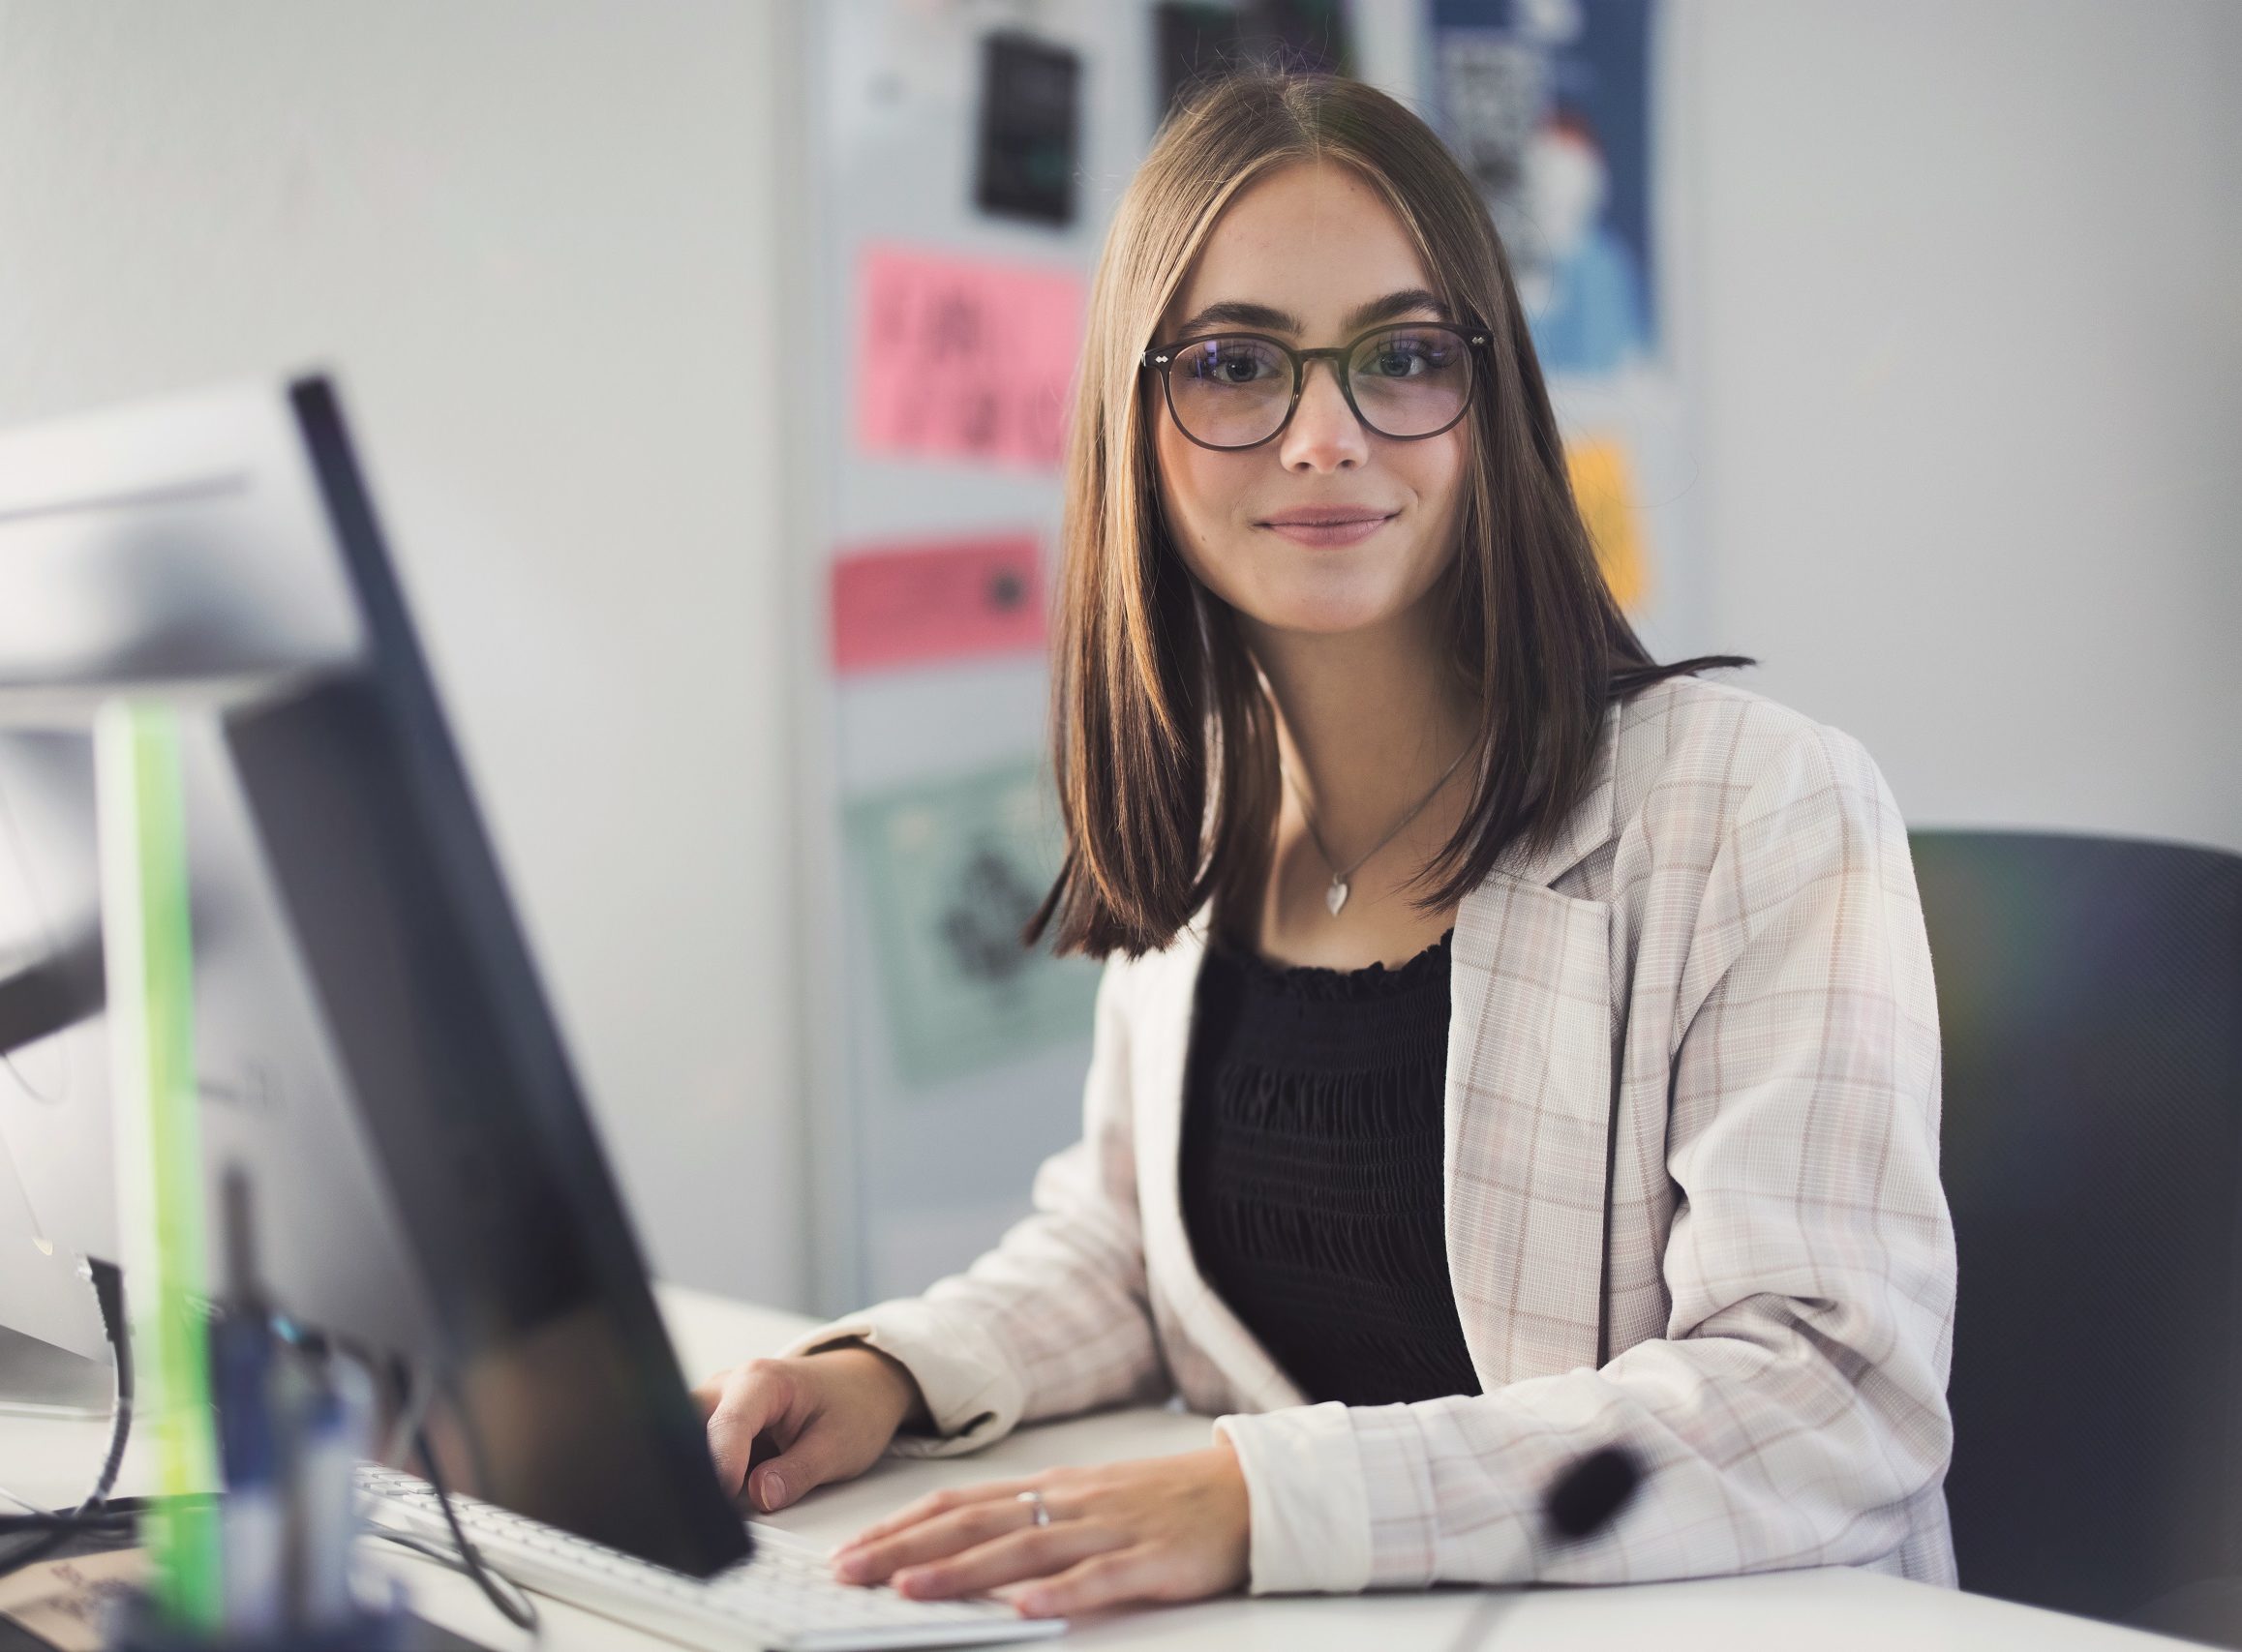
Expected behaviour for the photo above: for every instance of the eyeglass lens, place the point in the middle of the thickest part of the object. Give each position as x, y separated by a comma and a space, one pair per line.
1235, 391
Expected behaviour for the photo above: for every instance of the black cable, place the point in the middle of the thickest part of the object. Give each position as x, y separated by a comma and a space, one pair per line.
46, 1523
114, 1511
522, 1615
108, 1285
50, 1531
54, 1530
520, 1610
445, 1558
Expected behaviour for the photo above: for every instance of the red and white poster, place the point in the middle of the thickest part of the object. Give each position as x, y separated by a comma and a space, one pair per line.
913, 605
964, 358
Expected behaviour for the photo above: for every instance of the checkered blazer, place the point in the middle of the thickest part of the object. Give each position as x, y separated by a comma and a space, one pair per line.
1692, 1086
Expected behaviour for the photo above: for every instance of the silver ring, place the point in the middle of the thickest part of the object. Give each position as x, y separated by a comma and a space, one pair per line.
1035, 1501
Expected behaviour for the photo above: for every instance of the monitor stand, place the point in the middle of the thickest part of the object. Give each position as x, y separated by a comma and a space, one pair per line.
39, 1379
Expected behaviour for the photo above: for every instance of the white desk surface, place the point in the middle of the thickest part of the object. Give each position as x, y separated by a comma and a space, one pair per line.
1835, 1610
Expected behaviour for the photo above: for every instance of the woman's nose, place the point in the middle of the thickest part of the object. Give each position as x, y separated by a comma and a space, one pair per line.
1325, 433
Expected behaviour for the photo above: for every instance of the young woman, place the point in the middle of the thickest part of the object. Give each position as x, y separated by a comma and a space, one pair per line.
1509, 1046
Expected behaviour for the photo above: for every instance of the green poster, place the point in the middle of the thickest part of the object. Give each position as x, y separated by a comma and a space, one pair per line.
954, 868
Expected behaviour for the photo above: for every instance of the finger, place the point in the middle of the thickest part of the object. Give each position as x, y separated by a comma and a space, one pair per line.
1105, 1579
932, 1539
806, 1463
939, 1503
1037, 1552
752, 1398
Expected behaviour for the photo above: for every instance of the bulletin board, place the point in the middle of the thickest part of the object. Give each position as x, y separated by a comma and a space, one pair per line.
952, 265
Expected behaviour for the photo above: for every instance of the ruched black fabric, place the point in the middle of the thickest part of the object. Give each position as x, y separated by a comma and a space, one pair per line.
1311, 1170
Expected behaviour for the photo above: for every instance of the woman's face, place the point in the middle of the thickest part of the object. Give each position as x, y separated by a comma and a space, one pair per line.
1328, 528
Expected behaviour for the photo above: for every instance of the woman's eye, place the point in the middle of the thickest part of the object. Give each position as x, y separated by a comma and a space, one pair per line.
1229, 366
1401, 359
1405, 355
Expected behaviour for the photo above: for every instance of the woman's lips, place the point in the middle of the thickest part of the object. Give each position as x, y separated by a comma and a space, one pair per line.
1337, 528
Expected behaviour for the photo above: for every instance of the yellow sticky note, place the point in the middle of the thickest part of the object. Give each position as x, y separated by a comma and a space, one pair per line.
1605, 492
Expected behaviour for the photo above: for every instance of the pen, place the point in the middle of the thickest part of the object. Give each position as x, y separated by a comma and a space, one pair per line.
249, 1448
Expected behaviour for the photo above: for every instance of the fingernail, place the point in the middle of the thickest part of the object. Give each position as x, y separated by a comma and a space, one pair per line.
774, 1492
1031, 1606
850, 1568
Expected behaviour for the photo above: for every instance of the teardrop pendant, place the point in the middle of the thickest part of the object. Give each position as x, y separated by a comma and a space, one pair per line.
1335, 896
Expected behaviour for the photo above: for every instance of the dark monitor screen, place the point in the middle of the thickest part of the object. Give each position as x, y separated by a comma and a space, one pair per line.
372, 1040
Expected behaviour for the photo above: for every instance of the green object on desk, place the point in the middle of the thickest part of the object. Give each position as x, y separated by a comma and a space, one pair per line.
149, 963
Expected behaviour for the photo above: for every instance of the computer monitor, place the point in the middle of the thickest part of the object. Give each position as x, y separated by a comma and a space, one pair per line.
373, 1044
180, 550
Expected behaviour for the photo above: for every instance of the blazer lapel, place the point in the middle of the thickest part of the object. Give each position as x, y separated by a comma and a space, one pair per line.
1529, 1109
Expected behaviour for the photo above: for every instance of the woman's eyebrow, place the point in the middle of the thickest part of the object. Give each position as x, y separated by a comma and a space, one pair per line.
1242, 312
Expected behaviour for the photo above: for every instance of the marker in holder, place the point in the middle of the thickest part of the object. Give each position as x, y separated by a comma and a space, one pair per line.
269, 1564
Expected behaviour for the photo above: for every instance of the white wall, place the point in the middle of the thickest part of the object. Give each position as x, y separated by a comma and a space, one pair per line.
537, 241
1971, 394
1967, 338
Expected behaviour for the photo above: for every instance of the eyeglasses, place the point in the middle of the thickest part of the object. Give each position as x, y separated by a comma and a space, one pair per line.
1404, 381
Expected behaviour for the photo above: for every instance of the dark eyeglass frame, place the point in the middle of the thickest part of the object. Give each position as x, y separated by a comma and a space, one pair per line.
1161, 358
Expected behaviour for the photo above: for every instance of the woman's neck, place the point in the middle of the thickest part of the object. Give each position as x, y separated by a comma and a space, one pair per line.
1368, 724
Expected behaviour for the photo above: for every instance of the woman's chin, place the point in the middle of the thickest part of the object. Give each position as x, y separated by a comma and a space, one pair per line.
1327, 593
1328, 614
1328, 627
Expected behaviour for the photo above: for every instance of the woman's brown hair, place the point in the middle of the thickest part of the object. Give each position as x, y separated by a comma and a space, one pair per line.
1163, 737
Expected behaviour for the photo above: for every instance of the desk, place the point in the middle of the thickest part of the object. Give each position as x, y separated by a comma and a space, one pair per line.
1835, 1610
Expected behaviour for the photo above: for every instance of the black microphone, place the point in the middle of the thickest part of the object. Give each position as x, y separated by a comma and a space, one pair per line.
1591, 1492
1583, 1500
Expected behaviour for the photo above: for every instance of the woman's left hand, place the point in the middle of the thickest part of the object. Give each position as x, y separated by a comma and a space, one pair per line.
1171, 1528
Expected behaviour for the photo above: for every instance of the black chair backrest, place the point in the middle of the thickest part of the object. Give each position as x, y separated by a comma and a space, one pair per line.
2090, 1005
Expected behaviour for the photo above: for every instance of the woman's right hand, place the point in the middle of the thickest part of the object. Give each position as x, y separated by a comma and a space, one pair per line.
818, 1417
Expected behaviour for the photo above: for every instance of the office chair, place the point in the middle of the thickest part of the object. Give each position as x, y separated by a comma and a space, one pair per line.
2090, 1004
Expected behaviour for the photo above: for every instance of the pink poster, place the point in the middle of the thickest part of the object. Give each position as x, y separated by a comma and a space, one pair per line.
964, 358
906, 605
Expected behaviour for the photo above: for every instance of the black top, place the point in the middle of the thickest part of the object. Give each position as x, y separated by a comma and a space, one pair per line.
1311, 1170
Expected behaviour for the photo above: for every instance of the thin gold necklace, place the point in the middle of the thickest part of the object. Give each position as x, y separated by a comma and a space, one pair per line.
1335, 896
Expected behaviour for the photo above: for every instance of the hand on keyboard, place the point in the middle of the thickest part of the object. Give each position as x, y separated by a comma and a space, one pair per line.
785, 1597
822, 1417
1074, 1539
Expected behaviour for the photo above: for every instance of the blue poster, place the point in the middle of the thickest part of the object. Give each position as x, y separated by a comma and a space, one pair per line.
1547, 102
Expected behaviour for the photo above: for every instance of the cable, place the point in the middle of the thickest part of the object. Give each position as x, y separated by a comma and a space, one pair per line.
443, 1556
48, 1525
511, 1601
411, 1411
108, 1287
114, 1511
522, 1612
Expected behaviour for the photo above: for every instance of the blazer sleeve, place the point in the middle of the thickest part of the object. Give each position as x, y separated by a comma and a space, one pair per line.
1794, 1412
1055, 1319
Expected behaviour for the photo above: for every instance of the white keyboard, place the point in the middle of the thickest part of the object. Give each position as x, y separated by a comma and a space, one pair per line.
783, 1597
